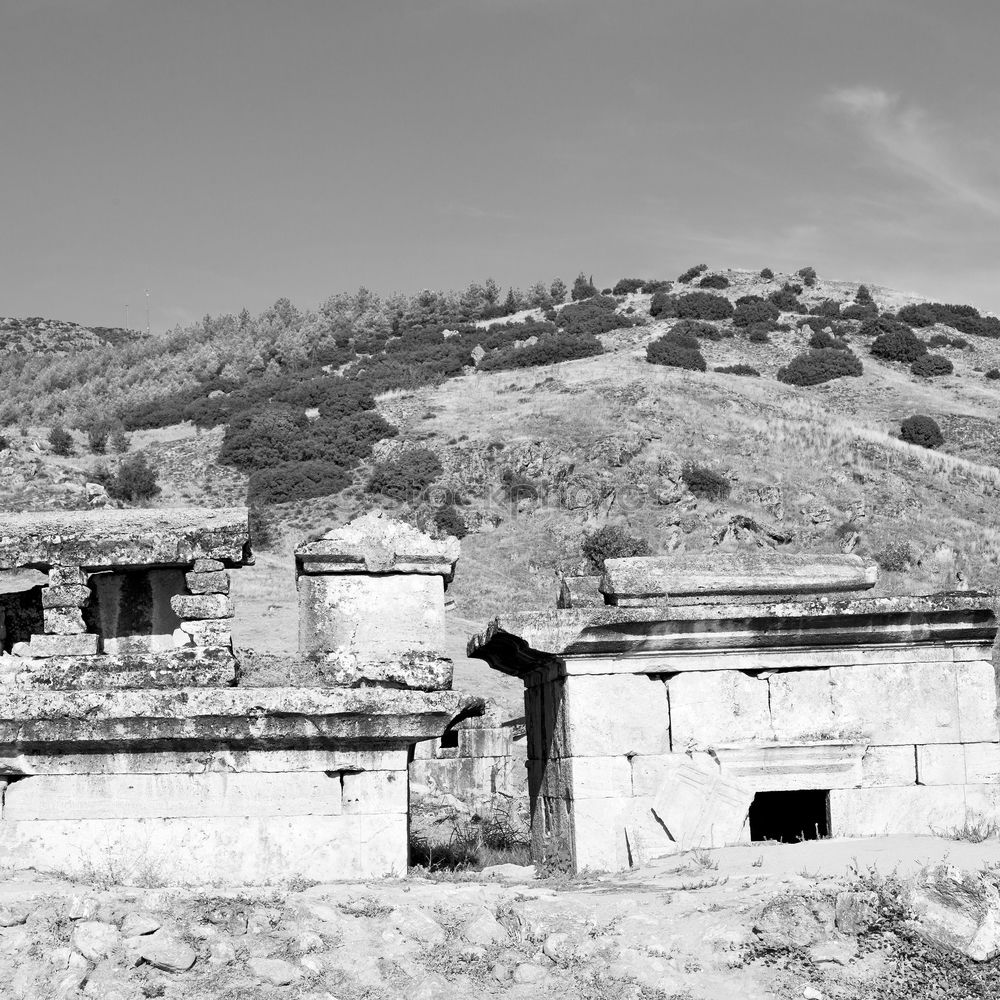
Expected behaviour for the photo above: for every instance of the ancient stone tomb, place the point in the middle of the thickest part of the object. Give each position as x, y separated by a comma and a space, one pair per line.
731, 698
134, 740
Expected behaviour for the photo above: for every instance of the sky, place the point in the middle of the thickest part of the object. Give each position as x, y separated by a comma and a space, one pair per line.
224, 153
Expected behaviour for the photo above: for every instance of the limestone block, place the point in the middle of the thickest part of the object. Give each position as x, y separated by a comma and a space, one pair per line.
209, 632
616, 714
419, 670
208, 583
373, 617
976, 682
182, 638
69, 596
63, 621
66, 576
895, 765
208, 566
958, 763
484, 742
113, 796
201, 850
776, 768
650, 771
611, 834
63, 645
201, 606
700, 807
803, 705
382, 792
717, 707
916, 810
600, 777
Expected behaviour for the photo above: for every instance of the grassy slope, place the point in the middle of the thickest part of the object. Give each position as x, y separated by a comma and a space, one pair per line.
826, 447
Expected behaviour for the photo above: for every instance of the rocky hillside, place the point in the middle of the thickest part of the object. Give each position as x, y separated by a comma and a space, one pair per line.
35, 335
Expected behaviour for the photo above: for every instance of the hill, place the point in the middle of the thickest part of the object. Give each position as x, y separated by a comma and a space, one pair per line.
529, 453
35, 335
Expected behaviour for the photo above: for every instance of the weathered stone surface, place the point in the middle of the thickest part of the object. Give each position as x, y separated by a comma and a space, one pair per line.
70, 596
892, 765
957, 909
139, 923
208, 583
382, 792
347, 615
95, 939
103, 539
580, 592
856, 912
417, 925
793, 922
484, 929
196, 607
422, 671
616, 715
275, 971
957, 763
208, 566
375, 543
210, 632
64, 621
830, 764
62, 645
644, 578
718, 707
66, 576
166, 951
917, 809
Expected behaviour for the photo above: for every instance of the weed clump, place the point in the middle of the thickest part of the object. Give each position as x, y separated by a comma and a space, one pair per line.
895, 557
739, 370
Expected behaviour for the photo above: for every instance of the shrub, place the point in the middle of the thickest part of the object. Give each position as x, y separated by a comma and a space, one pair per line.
808, 276
751, 309
98, 431
767, 274
921, 430
406, 476
61, 441
704, 305
691, 273
651, 287
625, 285
739, 370
821, 340
583, 288
785, 298
965, 319
895, 557
517, 486
757, 333
296, 481
448, 521
863, 297
4, 442
932, 365
714, 281
943, 340
900, 344
860, 312
663, 305
829, 308
705, 482
611, 542
549, 350
676, 352
816, 366
607, 291
134, 480
993, 374
119, 440
262, 529
593, 316
699, 328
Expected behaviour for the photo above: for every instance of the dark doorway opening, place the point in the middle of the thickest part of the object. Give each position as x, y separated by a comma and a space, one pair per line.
790, 817
21, 617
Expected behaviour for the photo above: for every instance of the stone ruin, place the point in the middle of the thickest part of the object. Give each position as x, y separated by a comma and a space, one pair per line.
132, 737
724, 699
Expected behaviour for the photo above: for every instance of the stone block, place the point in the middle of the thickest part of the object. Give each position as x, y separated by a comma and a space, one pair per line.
208, 583
69, 596
421, 671
484, 742
67, 576
208, 566
616, 714
253, 850
580, 592
803, 705
381, 792
717, 707
600, 777
63, 645
63, 621
895, 765
958, 763
371, 617
201, 606
976, 684
917, 810
776, 768
209, 632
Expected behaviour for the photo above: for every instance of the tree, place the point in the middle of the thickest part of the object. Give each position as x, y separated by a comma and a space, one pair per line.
557, 291
134, 481
98, 431
61, 441
583, 287
119, 440
539, 297
808, 276
863, 297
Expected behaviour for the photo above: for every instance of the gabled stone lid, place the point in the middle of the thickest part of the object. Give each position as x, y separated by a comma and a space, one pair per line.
375, 543
643, 580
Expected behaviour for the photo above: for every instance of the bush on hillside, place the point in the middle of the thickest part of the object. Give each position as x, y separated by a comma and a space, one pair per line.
704, 305
290, 481
921, 430
98, 431
751, 309
993, 374
699, 328
583, 288
714, 281
932, 365
900, 344
657, 285
448, 521
738, 370
548, 351
767, 274
119, 440
517, 487
611, 542
61, 441
808, 276
895, 557
705, 482
623, 286
786, 299
134, 481
676, 351
821, 340
592, 316
863, 313
663, 305
759, 333
965, 319
263, 532
863, 297
829, 308
943, 340
406, 476
816, 366
691, 273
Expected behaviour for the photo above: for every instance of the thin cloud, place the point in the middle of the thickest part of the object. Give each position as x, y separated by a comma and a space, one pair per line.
910, 140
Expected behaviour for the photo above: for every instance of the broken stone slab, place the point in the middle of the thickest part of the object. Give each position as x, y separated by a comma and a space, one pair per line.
417, 671
106, 539
197, 607
649, 579
375, 543
956, 909
208, 583
62, 645
208, 566
580, 592
70, 596
209, 632
63, 621
700, 807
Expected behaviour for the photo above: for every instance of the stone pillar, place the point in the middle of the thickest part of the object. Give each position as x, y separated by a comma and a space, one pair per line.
63, 601
206, 612
371, 603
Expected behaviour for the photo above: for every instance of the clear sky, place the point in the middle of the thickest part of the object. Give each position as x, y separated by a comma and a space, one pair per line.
227, 152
